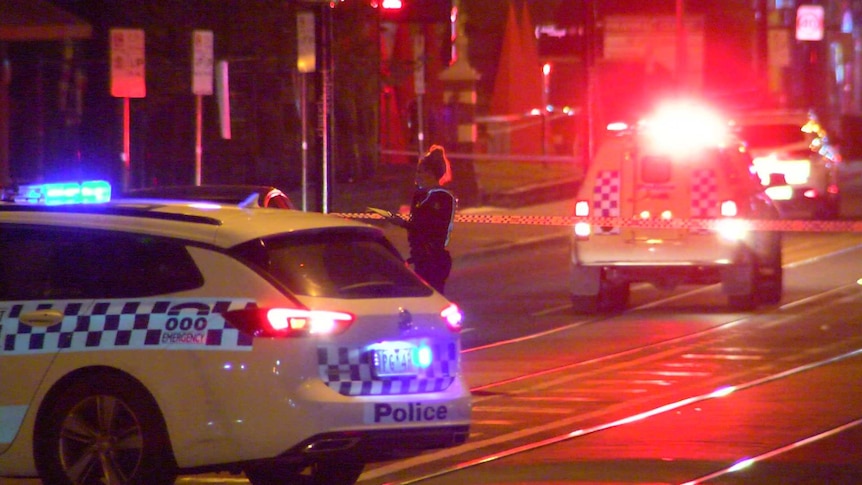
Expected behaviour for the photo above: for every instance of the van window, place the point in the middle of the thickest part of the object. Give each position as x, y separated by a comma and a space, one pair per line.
655, 170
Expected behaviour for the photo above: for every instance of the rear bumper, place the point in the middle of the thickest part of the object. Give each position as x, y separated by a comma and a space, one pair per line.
367, 446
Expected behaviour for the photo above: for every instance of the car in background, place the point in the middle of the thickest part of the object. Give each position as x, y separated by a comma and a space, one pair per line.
794, 155
244, 195
149, 340
673, 200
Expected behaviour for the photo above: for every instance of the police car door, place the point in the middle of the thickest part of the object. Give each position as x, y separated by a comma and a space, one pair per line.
38, 295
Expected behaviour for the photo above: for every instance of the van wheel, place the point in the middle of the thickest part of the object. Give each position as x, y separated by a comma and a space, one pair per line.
103, 428
585, 304
770, 282
613, 297
742, 302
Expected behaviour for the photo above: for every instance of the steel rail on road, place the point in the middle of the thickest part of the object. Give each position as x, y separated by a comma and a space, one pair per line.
648, 352
665, 408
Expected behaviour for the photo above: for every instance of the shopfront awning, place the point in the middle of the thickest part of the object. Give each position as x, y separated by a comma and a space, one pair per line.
33, 20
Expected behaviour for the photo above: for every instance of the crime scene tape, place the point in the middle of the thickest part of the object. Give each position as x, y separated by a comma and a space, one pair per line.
786, 225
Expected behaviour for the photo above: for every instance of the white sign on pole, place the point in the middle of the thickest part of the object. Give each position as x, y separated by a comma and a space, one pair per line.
306, 60
202, 62
809, 22
128, 79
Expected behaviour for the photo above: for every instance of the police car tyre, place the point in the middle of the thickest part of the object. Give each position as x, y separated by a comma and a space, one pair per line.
103, 428
321, 473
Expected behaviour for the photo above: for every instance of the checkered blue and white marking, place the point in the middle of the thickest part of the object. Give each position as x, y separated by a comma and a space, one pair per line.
606, 198
123, 324
349, 372
704, 197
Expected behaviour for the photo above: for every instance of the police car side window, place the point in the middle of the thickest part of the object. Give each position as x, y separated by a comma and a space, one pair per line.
24, 269
56, 263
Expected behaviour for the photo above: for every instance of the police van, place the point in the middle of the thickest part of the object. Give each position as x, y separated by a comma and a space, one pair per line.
144, 339
671, 200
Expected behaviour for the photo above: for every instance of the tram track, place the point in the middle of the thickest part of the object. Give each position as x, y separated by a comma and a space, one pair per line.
714, 343
717, 393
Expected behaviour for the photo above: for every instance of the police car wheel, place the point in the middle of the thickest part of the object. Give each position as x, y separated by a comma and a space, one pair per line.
103, 428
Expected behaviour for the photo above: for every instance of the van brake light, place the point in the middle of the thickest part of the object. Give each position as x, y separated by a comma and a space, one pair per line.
582, 208
729, 209
582, 229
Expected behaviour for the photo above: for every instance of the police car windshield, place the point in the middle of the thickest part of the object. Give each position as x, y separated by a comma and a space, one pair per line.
335, 264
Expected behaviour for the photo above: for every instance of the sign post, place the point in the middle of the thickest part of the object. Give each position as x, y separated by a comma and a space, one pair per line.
419, 87
202, 85
128, 80
306, 62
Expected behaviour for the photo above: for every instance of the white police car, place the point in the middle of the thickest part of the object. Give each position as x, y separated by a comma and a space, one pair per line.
796, 146
143, 340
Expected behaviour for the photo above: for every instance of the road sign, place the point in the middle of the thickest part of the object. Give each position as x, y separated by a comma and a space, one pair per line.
202, 62
128, 78
305, 59
809, 22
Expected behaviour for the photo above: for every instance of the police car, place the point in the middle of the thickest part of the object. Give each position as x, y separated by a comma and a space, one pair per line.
141, 340
673, 200
796, 147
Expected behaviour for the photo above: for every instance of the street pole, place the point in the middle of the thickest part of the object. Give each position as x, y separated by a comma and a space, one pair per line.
681, 48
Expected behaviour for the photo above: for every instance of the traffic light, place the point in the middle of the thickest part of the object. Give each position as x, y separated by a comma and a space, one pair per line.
422, 11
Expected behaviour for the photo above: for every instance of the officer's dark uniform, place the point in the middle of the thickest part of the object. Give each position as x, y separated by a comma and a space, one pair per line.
428, 227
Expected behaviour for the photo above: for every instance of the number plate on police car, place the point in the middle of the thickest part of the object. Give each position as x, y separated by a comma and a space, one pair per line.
392, 362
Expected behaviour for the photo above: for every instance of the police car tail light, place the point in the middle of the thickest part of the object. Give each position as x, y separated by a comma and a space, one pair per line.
289, 322
780, 192
795, 171
582, 228
453, 317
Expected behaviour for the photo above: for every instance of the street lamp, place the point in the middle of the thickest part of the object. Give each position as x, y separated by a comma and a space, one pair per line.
546, 89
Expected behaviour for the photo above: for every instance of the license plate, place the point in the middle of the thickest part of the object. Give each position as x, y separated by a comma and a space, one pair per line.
394, 362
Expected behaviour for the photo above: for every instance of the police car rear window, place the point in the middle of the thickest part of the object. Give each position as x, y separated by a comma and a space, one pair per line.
59, 263
335, 264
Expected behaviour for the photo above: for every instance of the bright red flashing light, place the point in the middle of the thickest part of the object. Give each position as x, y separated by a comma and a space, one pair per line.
392, 4
289, 322
453, 317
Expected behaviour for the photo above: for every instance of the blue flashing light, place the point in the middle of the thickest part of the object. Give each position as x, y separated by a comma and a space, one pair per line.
87, 192
422, 356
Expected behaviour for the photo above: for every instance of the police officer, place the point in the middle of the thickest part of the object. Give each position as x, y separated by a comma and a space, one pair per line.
432, 214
